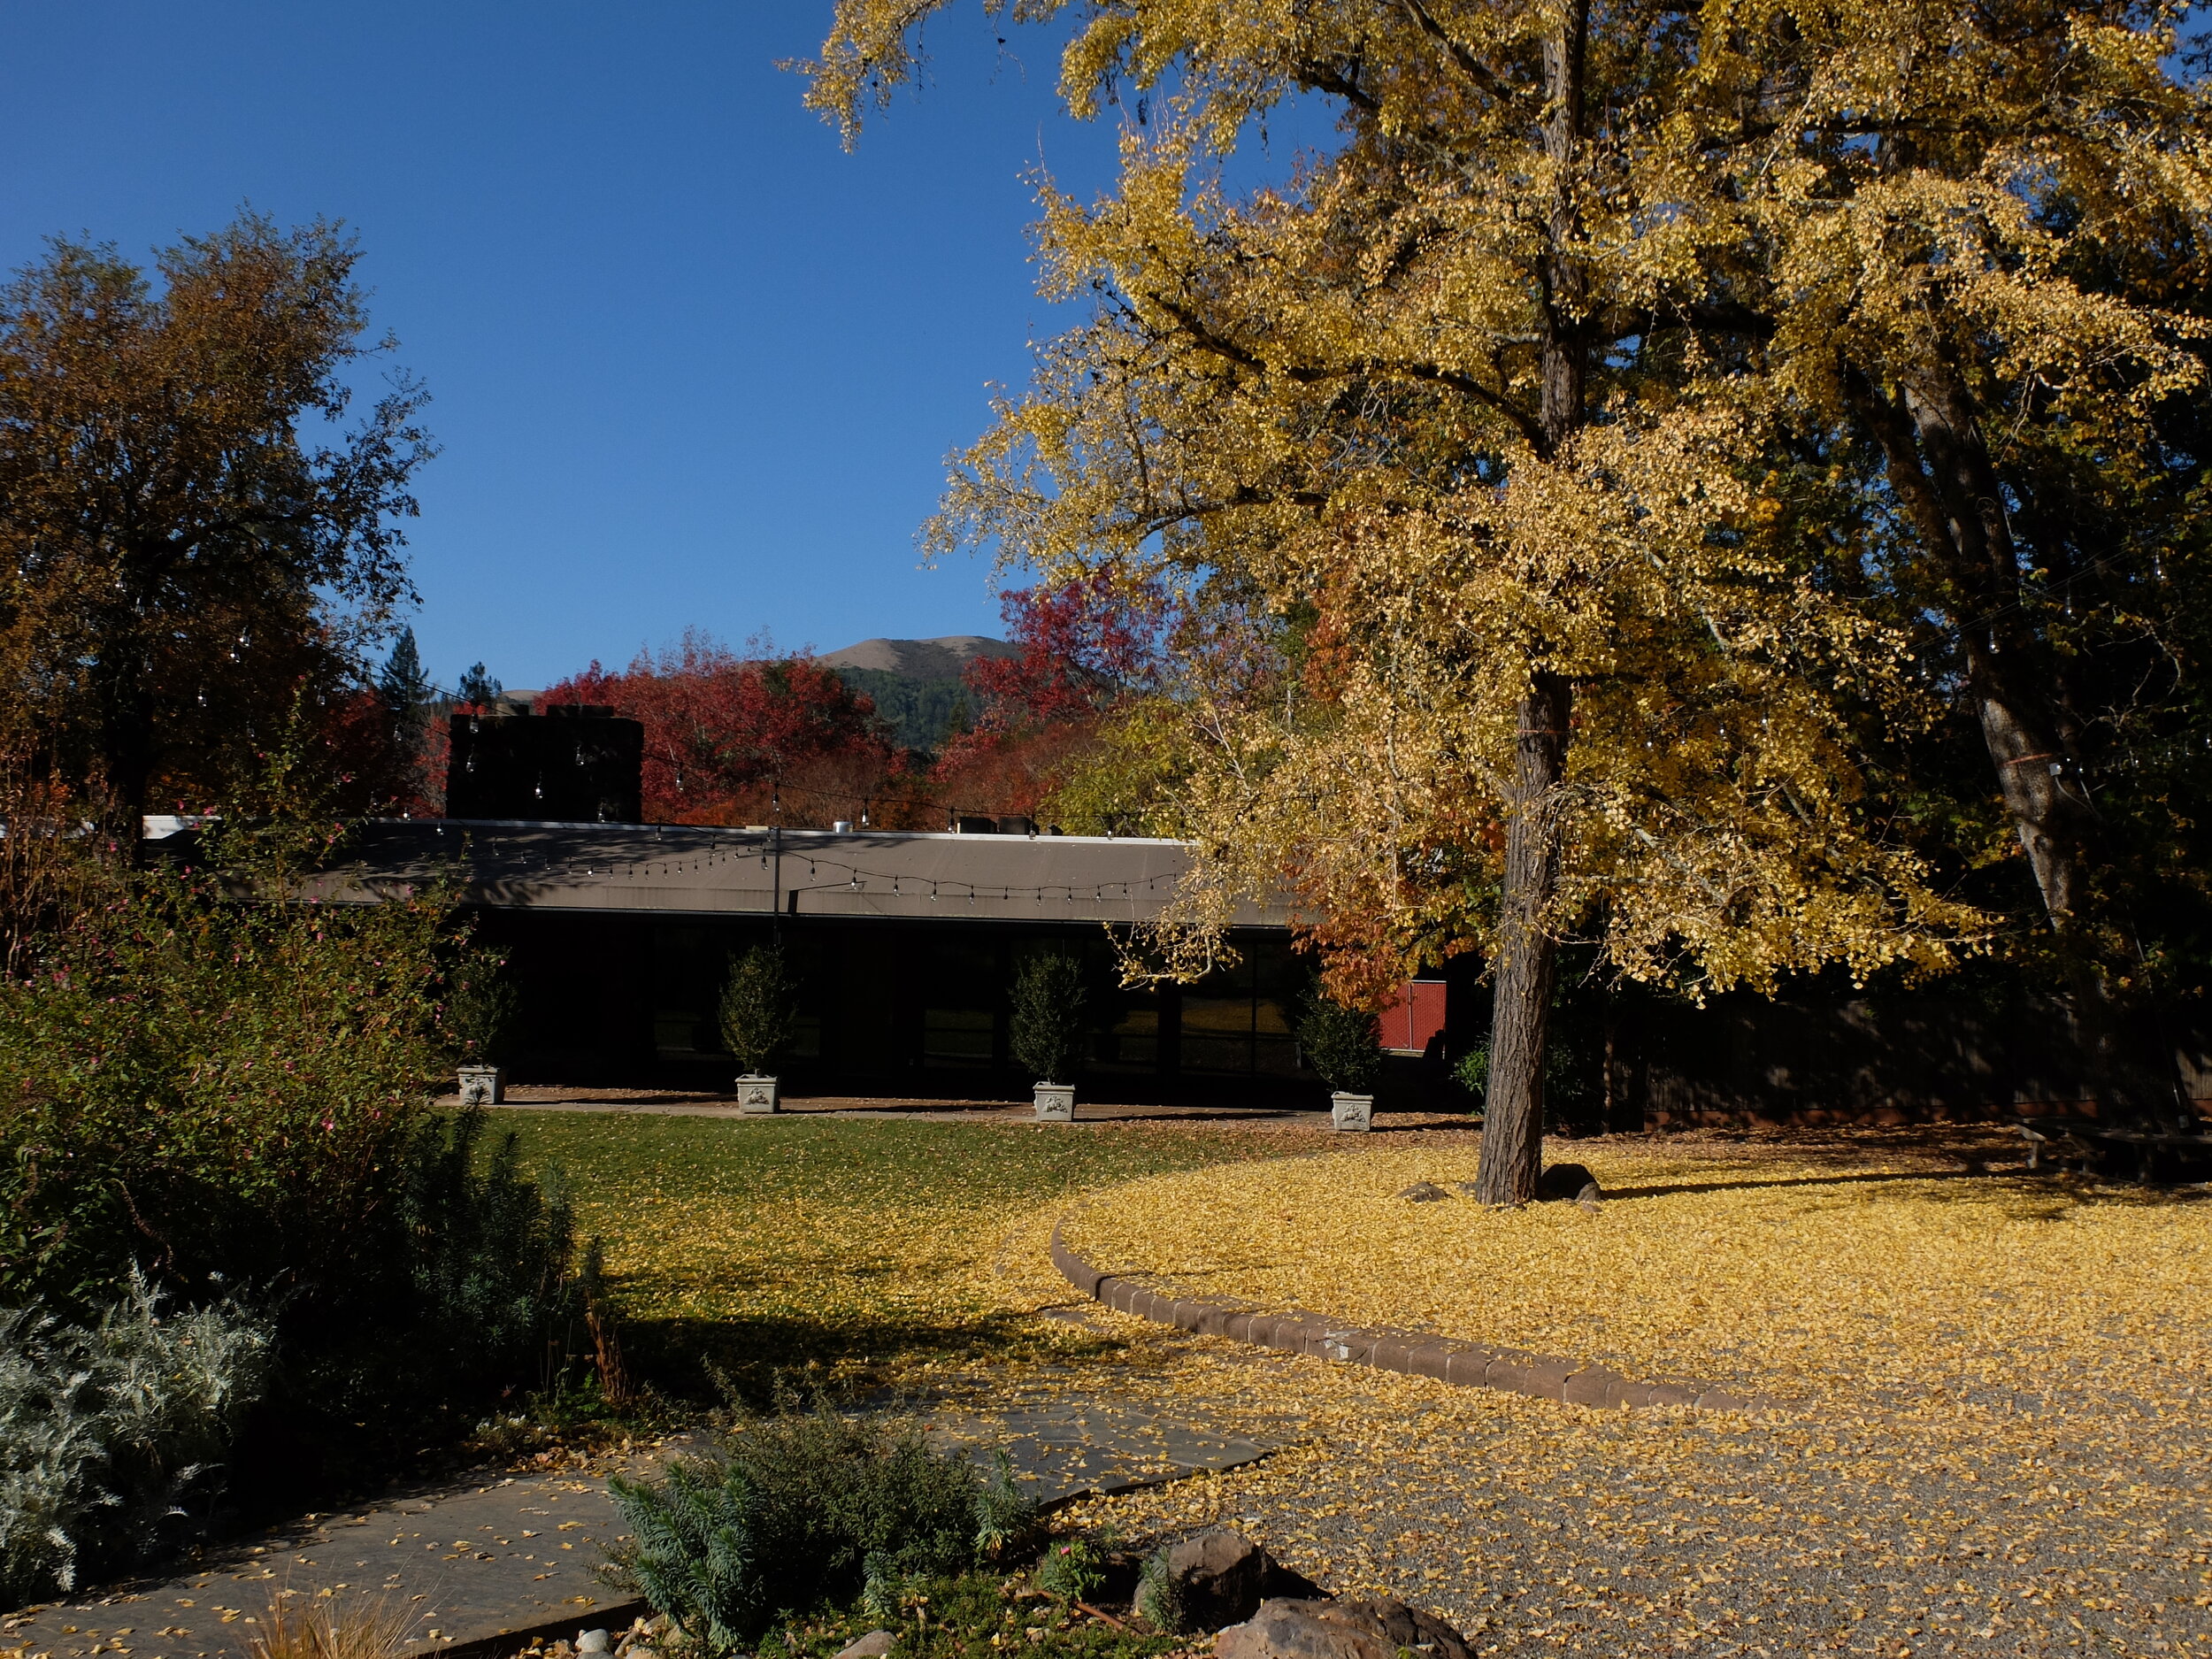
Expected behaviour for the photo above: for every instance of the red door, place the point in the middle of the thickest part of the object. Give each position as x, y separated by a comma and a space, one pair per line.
1417, 1016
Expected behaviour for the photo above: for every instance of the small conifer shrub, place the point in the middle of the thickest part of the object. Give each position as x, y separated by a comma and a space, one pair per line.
1047, 1027
759, 1010
1341, 1044
481, 1009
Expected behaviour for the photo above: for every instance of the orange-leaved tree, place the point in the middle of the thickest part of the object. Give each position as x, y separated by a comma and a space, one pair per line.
192, 548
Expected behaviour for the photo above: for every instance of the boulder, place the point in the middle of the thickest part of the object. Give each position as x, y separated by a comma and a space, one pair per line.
1212, 1579
1376, 1628
1568, 1181
1424, 1192
874, 1645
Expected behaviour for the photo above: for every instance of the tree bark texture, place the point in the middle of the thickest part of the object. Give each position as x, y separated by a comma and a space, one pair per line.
1513, 1105
1939, 463
1513, 1109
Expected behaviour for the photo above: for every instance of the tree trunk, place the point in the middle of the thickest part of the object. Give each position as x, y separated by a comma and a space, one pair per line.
126, 743
1939, 463
1513, 1107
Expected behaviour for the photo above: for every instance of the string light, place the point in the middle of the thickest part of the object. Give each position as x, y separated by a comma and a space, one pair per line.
857, 877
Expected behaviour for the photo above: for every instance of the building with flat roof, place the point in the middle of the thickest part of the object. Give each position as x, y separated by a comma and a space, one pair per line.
620, 936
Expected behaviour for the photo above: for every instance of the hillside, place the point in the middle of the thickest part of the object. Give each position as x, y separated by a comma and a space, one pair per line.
917, 684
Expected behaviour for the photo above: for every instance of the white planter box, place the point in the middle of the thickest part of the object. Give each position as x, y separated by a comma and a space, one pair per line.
1352, 1112
1055, 1103
756, 1095
482, 1085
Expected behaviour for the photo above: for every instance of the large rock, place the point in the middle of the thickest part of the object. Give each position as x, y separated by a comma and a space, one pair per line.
874, 1645
1214, 1578
1569, 1181
1364, 1629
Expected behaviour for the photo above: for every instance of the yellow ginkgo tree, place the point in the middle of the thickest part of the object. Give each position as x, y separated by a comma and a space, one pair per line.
1478, 416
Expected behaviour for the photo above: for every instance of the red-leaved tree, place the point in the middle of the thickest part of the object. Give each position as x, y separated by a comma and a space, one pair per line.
1085, 647
735, 740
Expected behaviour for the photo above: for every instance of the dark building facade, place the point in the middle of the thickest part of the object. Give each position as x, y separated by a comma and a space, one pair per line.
573, 763
620, 936
618, 939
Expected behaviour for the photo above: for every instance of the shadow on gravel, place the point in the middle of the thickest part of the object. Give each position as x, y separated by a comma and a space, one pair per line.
1866, 1180
2049, 1186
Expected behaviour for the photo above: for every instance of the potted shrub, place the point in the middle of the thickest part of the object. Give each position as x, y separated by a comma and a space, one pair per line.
1046, 1031
759, 1009
479, 1016
1341, 1043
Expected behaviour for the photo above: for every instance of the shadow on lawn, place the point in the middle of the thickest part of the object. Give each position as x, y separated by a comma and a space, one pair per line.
688, 1359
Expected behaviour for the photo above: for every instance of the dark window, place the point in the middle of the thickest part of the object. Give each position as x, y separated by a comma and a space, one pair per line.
960, 991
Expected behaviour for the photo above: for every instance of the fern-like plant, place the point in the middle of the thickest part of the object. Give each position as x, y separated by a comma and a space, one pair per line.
112, 1435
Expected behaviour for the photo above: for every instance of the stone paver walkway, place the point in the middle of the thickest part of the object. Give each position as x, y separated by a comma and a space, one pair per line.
463, 1564
1080, 1447
483, 1567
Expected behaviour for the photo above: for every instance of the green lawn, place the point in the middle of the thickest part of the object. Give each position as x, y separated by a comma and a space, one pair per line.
757, 1244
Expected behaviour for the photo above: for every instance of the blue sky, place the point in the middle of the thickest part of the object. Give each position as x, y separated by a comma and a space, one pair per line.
692, 364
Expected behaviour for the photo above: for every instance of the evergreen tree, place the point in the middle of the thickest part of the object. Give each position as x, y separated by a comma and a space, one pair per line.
403, 685
477, 687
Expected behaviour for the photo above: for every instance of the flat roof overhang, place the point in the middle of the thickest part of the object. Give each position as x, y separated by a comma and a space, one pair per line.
689, 871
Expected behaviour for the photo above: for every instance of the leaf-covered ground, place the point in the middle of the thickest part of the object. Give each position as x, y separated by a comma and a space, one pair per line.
1902, 1275
2047, 1493
2003, 1377
755, 1243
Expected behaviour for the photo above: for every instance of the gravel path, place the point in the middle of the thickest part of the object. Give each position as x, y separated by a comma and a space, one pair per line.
1540, 1528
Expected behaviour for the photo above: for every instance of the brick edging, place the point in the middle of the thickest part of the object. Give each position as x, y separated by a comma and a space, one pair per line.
1445, 1359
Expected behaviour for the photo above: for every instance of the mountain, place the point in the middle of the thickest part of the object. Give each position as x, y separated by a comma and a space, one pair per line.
943, 658
917, 684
